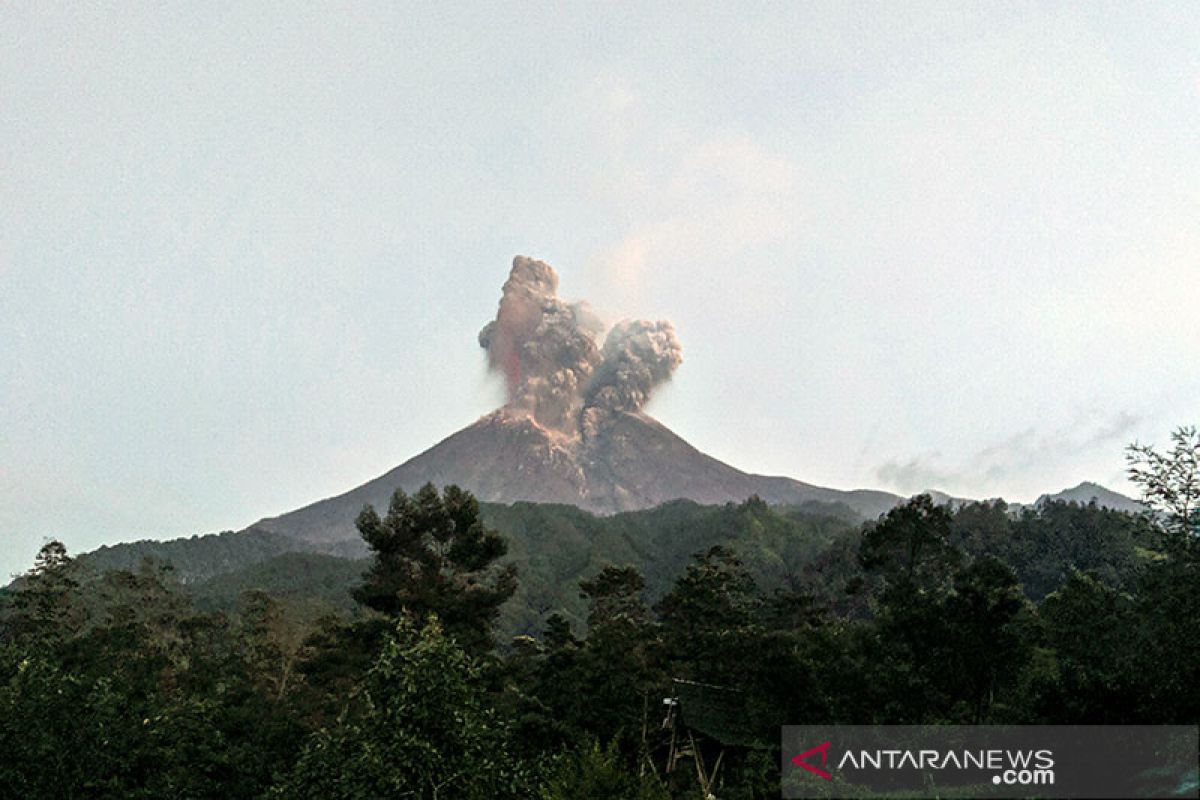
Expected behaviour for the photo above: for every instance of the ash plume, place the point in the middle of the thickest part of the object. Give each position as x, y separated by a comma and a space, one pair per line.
638, 356
555, 370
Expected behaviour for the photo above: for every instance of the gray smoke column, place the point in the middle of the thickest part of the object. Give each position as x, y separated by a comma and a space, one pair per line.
554, 369
545, 348
638, 356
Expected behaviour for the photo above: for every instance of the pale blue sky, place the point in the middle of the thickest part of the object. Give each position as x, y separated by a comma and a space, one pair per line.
245, 248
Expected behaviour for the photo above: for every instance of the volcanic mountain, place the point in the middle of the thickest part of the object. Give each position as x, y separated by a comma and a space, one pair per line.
633, 462
572, 429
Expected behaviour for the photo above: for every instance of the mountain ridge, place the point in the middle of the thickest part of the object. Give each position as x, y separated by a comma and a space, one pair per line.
1088, 491
632, 463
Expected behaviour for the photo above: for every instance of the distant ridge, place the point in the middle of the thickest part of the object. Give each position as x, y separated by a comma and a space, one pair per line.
1088, 492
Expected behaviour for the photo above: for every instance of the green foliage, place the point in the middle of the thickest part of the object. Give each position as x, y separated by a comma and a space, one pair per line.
554, 547
433, 555
317, 581
1170, 483
419, 727
1166, 641
263, 681
45, 607
951, 635
272, 637
813, 549
911, 546
705, 615
196, 558
1045, 546
60, 735
596, 773
1089, 626
988, 639
145, 700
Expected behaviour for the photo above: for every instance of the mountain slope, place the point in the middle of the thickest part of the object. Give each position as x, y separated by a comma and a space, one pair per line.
633, 463
195, 558
1086, 492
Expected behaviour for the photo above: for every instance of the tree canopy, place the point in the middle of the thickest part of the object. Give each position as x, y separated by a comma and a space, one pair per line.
725, 625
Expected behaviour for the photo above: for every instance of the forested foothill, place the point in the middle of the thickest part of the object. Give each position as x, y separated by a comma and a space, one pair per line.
533, 651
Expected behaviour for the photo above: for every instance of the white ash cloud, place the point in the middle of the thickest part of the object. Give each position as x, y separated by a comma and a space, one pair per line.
554, 367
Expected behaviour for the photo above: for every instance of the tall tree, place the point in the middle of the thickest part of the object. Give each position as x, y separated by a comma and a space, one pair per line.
272, 640
420, 727
706, 613
987, 642
47, 607
911, 546
911, 550
1170, 482
1168, 601
616, 662
1093, 630
434, 555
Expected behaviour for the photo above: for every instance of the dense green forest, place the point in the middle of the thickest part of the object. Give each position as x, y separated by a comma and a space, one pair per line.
526, 651
553, 547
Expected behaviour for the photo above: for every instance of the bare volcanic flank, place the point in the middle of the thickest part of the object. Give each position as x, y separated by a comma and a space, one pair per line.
637, 463
572, 430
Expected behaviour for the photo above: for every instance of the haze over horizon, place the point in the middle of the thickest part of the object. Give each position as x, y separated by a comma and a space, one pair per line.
246, 252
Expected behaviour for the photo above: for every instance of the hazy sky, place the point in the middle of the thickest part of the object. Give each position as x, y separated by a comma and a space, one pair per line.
245, 249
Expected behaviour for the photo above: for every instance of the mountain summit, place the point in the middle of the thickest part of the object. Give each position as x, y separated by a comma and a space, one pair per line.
1088, 492
572, 430
633, 462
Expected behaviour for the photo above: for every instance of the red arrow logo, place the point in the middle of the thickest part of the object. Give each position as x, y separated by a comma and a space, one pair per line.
801, 760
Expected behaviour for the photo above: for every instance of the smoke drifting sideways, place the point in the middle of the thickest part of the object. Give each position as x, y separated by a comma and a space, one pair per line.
553, 364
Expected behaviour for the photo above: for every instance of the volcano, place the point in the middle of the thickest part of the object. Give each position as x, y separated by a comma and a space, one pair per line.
573, 429
634, 463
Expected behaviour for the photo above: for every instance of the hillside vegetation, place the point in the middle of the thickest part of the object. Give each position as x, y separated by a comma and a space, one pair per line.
524, 651
554, 547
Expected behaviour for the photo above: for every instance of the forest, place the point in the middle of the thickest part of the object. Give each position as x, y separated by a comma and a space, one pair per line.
451, 663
